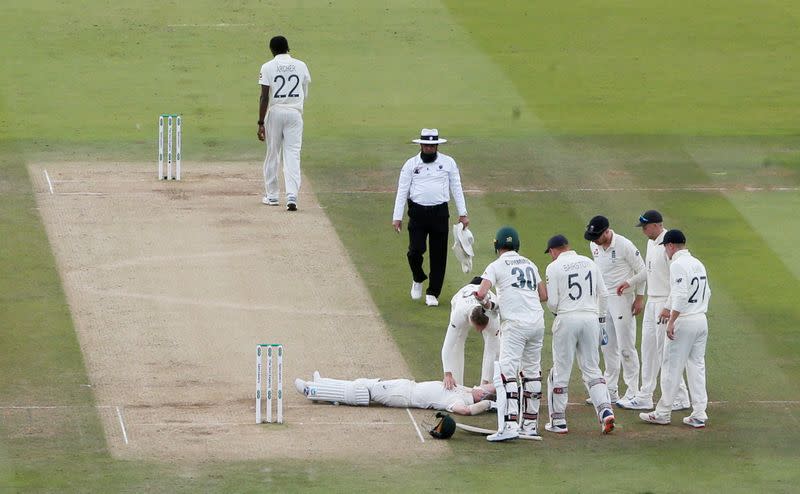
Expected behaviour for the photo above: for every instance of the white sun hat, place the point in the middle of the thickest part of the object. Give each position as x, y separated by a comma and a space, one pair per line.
462, 246
429, 136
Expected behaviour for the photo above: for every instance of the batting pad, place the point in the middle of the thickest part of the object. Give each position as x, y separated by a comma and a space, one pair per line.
345, 392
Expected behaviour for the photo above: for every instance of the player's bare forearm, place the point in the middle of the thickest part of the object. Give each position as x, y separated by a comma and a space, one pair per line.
263, 104
483, 289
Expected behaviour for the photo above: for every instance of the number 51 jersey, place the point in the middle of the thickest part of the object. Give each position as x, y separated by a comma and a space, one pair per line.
574, 284
516, 279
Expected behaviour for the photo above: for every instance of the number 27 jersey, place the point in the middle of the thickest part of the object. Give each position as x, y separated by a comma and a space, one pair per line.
516, 279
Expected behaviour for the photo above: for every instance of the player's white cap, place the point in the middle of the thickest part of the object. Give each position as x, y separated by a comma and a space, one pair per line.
429, 136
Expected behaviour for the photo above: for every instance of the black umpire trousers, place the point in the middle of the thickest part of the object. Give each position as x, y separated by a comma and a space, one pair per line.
428, 225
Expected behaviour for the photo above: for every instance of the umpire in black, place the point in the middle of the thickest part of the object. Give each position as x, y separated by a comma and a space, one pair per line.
426, 182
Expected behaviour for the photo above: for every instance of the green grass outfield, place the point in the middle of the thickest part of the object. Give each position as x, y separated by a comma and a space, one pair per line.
677, 106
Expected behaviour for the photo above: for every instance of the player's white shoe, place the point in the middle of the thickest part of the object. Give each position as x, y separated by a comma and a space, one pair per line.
652, 418
431, 301
635, 404
693, 422
509, 432
268, 201
416, 290
607, 422
680, 405
529, 428
300, 386
557, 426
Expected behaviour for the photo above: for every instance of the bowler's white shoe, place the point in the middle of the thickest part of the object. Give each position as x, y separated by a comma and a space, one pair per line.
431, 301
269, 202
635, 404
652, 418
509, 432
416, 290
301, 387
693, 422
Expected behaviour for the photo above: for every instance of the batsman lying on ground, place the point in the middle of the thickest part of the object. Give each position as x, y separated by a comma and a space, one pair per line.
401, 393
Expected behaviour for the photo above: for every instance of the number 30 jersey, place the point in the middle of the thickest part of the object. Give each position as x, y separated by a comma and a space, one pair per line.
574, 284
516, 279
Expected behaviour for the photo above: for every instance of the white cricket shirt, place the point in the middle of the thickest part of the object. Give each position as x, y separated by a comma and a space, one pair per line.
690, 288
575, 284
432, 394
620, 262
657, 272
429, 184
516, 279
287, 79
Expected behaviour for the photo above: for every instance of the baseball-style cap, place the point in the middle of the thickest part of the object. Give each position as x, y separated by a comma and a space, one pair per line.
595, 228
650, 216
674, 237
556, 241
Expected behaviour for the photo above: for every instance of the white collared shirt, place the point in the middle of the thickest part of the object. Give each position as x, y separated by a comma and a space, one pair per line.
429, 184
620, 262
432, 394
690, 288
287, 79
657, 272
575, 284
516, 279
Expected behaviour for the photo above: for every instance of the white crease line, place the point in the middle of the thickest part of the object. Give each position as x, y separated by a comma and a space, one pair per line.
416, 427
122, 425
248, 424
221, 24
746, 188
82, 194
136, 261
49, 182
50, 407
162, 299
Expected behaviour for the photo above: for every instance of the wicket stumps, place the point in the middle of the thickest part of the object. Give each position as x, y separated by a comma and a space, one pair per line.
177, 119
271, 348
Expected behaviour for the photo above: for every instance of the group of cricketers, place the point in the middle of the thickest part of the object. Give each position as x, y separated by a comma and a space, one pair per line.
595, 302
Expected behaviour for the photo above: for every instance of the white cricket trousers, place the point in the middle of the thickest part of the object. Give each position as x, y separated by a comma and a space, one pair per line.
520, 351
453, 352
621, 347
284, 128
393, 392
576, 334
653, 337
687, 350
521, 348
